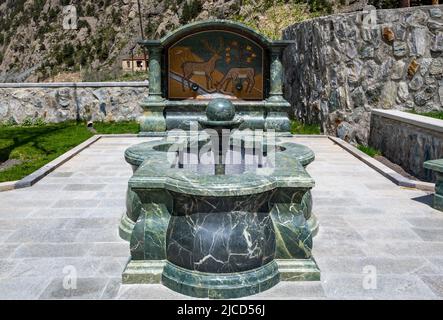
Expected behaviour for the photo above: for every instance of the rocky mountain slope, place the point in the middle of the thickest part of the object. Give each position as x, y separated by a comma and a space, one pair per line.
34, 46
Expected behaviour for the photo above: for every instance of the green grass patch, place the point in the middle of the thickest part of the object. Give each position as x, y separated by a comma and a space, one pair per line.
433, 114
117, 127
369, 150
35, 146
301, 128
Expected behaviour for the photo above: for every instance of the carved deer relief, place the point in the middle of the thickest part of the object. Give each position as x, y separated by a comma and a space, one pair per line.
235, 74
206, 68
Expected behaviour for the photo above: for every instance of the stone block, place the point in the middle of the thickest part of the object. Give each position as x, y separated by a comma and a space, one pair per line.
388, 34
437, 42
419, 41
29, 250
22, 288
416, 83
293, 290
436, 67
84, 187
400, 49
435, 283
398, 70
83, 288
412, 68
437, 167
406, 287
435, 12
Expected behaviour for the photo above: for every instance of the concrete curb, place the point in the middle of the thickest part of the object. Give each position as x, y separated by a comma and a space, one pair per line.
315, 136
31, 179
117, 135
39, 174
412, 119
382, 169
8, 185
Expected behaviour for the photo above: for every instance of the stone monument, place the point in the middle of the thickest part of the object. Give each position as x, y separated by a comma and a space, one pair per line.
218, 58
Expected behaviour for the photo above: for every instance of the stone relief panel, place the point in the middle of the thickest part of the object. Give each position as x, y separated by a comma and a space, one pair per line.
215, 61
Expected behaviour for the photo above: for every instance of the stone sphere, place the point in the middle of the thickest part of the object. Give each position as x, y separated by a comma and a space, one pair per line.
220, 110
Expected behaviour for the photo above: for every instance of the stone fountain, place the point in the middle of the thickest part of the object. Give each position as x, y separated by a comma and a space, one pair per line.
216, 211
214, 58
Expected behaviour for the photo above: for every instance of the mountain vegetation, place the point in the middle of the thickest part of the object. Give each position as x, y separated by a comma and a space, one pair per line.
34, 45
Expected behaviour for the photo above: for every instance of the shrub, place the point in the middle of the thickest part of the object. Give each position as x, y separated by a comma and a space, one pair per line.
39, 122
83, 24
190, 11
28, 121
302, 128
90, 10
10, 122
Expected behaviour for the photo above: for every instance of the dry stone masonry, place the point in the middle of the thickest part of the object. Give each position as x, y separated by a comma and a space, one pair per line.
28, 103
343, 66
407, 140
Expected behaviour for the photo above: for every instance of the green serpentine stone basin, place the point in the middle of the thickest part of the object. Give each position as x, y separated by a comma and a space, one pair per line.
158, 173
218, 236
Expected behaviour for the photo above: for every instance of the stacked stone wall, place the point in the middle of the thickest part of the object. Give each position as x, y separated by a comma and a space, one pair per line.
343, 66
57, 102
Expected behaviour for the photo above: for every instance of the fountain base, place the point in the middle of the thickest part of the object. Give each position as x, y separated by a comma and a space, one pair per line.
216, 285
220, 285
186, 230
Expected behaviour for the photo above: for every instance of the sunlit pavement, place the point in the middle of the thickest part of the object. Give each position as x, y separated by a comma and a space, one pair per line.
376, 240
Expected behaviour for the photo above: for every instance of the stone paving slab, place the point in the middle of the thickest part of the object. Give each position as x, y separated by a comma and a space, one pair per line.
368, 224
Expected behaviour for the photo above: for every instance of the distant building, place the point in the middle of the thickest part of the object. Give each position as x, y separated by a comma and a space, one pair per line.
137, 63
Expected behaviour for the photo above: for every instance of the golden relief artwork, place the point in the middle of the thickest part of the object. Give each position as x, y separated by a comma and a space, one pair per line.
215, 61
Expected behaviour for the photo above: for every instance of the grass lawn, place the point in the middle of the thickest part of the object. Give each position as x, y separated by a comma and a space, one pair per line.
35, 146
117, 127
300, 128
434, 114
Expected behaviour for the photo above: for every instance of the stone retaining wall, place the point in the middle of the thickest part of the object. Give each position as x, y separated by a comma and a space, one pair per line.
407, 140
342, 66
56, 102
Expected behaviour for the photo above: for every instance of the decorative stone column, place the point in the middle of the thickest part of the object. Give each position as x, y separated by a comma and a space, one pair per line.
277, 107
276, 92
153, 122
155, 67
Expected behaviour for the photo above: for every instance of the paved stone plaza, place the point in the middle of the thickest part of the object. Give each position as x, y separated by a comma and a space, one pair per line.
71, 217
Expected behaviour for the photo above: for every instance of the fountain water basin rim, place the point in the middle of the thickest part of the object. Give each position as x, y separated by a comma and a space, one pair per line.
156, 172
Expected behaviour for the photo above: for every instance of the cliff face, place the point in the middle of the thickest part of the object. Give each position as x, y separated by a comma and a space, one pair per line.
34, 45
